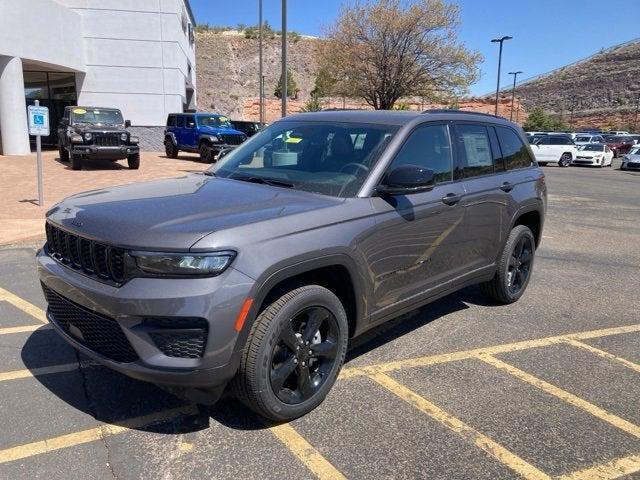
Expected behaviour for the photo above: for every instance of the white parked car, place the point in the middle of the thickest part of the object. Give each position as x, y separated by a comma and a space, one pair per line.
594, 154
558, 149
586, 139
631, 161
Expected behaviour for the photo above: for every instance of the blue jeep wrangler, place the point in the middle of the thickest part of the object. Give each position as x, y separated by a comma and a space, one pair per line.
208, 134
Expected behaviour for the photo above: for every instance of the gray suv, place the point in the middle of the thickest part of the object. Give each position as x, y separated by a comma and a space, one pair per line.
257, 273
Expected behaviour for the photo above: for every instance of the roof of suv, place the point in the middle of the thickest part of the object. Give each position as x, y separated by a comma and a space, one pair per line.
393, 117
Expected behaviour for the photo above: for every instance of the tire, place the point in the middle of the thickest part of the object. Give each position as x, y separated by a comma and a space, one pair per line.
133, 161
542, 164
254, 384
499, 288
170, 149
565, 160
206, 153
76, 161
64, 155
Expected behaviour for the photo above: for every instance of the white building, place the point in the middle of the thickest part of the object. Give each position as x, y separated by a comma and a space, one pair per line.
136, 55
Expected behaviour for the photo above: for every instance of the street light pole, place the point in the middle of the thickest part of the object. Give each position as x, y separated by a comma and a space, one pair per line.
500, 41
635, 118
284, 59
260, 62
513, 92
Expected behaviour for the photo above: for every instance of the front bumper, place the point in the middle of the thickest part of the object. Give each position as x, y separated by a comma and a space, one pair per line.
105, 153
587, 161
217, 300
630, 165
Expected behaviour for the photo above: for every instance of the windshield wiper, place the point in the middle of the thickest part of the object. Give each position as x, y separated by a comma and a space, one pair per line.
209, 173
274, 182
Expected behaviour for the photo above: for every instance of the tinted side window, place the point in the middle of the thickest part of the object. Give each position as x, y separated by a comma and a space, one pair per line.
560, 141
428, 146
514, 152
171, 121
189, 121
474, 150
180, 121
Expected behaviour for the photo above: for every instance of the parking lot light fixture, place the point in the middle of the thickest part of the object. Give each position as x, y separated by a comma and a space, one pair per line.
500, 40
513, 92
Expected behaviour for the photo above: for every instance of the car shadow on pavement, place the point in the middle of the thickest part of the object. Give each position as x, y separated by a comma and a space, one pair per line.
112, 398
95, 165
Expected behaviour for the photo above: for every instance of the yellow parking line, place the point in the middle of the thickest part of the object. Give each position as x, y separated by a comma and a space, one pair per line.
23, 305
494, 350
90, 435
563, 395
306, 453
517, 464
609, 471
602, 353
22, 329
34, 372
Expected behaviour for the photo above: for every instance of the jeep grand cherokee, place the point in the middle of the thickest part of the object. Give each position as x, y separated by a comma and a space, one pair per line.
257, 272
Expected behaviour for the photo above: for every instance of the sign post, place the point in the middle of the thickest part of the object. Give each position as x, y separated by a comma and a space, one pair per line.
39, 126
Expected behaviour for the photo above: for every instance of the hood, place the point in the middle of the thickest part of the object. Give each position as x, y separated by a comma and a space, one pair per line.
174, 214
99, 128
225, 130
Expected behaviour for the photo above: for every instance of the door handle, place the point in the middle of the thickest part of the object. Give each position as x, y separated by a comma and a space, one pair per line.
507, 187
451, 198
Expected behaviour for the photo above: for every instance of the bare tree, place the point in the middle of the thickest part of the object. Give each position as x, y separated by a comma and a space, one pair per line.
383, 50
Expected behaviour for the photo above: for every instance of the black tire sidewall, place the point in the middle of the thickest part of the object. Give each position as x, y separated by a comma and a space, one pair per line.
76, 162
170, 149
273, 407
205, 153
503, 265
134, 161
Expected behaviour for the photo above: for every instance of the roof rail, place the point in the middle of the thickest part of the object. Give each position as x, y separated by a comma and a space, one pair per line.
443, 110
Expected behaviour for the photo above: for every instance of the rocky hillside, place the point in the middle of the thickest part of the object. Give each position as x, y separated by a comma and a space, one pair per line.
601, 91
227, 70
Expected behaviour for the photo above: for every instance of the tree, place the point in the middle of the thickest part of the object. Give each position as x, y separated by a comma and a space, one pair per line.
313, 105
539, 121
324, 85
292, 88
384, 50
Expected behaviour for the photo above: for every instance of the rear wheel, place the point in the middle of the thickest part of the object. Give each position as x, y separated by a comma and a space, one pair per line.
64, 155
170, 149
134, 161
293, 355
76, 161
514, 267
206, 153
565, 160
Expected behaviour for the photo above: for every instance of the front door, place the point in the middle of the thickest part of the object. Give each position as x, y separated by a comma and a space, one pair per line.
413, 249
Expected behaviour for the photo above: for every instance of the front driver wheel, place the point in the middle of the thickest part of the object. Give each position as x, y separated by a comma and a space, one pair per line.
64, 155
514, 267
206, 153
76, 161
134, 161
293, 355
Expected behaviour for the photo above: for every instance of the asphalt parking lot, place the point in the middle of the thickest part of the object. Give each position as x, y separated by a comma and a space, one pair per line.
548, 387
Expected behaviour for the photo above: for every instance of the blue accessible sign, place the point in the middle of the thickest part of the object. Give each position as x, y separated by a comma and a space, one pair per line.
38, 120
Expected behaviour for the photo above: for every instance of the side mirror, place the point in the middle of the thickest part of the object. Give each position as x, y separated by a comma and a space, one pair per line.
407, 179
224, 153
127, 123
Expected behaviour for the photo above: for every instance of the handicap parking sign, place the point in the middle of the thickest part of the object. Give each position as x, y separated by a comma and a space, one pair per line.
38, 120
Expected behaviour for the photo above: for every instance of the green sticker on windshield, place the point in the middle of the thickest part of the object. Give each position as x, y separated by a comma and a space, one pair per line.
223, 119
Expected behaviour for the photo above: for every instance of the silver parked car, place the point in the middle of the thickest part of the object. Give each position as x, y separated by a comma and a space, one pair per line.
320, 227
631, 161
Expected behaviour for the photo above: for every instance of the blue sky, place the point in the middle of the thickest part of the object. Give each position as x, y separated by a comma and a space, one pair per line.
547, 33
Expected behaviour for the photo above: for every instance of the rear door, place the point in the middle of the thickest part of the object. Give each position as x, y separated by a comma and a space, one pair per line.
482, 171
190, 131
179, 130
543, 150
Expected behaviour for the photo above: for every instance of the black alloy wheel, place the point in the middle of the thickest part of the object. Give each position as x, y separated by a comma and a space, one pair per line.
304, 355
206, 153
520, 265
565, 160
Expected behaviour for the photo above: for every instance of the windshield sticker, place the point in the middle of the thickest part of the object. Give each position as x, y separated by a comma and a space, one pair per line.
223, 119
293, 140
79, 111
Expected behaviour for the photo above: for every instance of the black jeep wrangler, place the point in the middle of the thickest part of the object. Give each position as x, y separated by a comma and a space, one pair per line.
88, 133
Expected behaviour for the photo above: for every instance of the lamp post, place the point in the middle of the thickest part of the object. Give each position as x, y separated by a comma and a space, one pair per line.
513, 92
284, 58
635, 117
260, 84
500, 41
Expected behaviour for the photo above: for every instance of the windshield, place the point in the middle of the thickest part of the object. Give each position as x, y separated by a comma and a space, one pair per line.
613, 139
96, 116
326, 158
213, 121
583, 139
593, 148
635, 151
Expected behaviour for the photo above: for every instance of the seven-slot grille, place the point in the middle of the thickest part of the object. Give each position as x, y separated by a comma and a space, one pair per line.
233, 139
94, 258
96, 332
106, 139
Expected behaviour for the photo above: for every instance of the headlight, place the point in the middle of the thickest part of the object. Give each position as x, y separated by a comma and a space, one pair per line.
134, 140
213, 138
124, 137
76, 139
203, 264
88, 136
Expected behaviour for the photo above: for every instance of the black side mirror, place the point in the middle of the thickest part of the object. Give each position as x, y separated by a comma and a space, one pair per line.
127, 123
224, 153
407, 179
